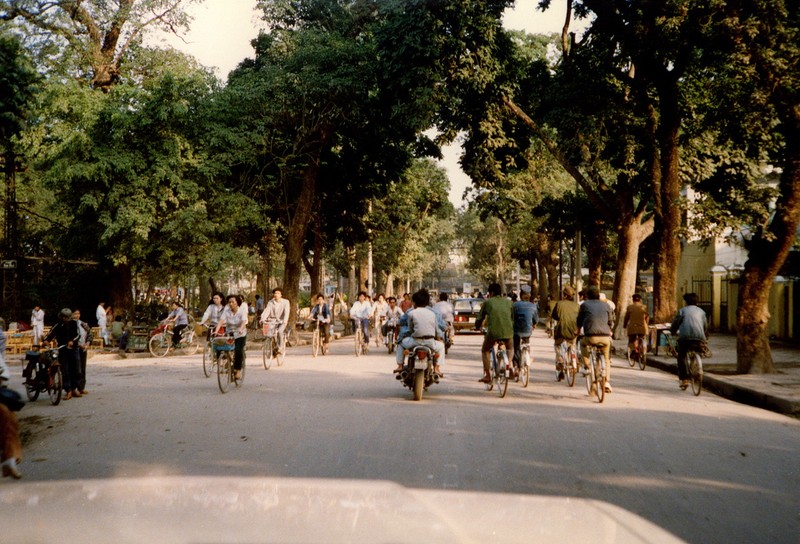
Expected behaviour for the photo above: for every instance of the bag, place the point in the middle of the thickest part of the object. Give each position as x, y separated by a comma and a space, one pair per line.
11, 399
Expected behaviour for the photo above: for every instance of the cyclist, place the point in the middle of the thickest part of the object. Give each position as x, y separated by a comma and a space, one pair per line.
526, 315
179, 317
595, 318
278, 309
360, 312
213, 313
322, 315
234, 320
447, 312
425, 328
379, 308
691, 326
565, 317
67, 336
636, 320
499, 316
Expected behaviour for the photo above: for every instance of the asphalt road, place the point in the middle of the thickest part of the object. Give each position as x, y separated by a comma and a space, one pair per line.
704, 468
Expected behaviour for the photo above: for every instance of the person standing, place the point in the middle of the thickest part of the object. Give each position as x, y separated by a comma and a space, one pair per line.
499, 316
84, 341
66, 334
37, 324
596, 319
278, 309
102, 321
691, 326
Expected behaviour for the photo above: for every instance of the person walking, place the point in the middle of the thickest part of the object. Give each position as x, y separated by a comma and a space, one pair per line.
84, 342
37, 324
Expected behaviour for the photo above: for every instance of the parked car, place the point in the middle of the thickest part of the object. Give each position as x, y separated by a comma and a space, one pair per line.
465, 312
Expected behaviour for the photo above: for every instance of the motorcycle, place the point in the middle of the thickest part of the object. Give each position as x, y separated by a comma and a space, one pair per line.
418, 373
391, 335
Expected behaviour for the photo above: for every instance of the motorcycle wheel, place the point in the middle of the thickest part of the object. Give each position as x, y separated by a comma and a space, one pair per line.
419, 384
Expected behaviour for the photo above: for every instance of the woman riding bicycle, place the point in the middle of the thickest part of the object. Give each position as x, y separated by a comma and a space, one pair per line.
322, 315
234, 320
181, 320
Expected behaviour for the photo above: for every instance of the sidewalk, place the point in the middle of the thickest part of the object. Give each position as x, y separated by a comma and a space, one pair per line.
779, 392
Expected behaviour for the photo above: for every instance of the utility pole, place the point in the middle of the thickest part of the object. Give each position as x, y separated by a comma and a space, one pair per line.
11, 254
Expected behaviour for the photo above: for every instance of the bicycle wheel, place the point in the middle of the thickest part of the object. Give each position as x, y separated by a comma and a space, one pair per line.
292, 338
159, 345
524, 367
32, 384
590, 374
267, 352
55, 385
281, 352
359, 342
224, 370
695, 372
315, 342
501, 374
390, 346
190, 344
600, 377
642, 356
240, 381
570, 365
630, 354
492, 369
208, 354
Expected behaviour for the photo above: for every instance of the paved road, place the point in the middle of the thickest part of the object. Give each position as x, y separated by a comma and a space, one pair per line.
704, 468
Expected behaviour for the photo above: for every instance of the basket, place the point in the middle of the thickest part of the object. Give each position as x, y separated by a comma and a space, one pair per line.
223, 343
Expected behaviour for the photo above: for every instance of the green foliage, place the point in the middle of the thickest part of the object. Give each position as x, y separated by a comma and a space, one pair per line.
18, 85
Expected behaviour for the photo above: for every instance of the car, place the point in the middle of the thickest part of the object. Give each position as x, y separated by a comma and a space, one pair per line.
465, 310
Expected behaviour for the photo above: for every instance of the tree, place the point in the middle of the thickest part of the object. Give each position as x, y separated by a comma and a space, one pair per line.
99, 34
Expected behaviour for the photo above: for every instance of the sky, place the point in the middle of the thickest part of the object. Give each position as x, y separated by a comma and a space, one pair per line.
221, 32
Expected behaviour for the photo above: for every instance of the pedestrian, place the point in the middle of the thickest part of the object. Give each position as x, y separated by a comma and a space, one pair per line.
84, 342
102, 321
37, 324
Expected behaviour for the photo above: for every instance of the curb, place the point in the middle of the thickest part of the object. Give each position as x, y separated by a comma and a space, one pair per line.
733, 391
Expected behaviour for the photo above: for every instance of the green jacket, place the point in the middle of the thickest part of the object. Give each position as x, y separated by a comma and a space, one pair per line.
499, 315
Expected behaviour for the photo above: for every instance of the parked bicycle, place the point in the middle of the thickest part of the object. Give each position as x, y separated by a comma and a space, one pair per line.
160, 343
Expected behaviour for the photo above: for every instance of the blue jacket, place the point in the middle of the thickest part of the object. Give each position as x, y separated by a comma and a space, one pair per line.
526, 315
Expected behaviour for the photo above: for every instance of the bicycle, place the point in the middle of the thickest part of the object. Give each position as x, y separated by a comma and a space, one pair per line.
318, 343
223, 348
160, 343
44, 376
694, 365
499, 369
596, 373
376, 331
361, 347
637, 354
271, 350
523, 364
567, 361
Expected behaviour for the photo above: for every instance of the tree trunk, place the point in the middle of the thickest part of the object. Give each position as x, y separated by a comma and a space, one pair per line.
121, 297
631, 235
296, 235
352, 286
765, 258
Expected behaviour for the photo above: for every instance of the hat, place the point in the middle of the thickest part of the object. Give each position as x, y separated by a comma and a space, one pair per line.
569, 291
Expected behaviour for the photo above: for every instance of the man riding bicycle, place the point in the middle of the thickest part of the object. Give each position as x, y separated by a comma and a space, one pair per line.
277, 309
234, 320
565, 317
595, 318
635, 322
691, 326
499, 316
360, 313
526, 315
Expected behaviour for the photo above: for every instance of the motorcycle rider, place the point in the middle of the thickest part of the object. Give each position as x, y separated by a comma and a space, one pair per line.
393, 315
424, 329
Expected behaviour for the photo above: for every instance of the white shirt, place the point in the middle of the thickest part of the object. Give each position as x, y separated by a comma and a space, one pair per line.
101, 316
361, 310
236, 322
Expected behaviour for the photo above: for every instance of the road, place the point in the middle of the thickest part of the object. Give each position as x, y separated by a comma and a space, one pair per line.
704, 468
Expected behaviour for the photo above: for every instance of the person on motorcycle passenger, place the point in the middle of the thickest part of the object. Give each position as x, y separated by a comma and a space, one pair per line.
499, 316
446, 310
424, 328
